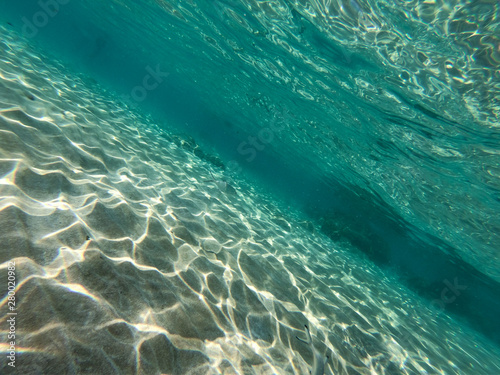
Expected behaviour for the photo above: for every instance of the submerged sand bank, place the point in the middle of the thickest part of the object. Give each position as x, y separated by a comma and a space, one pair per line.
129, 260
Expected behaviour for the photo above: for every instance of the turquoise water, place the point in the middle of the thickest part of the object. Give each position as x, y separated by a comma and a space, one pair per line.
371, 129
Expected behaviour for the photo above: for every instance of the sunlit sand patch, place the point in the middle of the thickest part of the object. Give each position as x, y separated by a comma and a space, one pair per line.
128, 262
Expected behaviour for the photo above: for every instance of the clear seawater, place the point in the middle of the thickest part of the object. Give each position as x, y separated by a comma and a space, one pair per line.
184, 185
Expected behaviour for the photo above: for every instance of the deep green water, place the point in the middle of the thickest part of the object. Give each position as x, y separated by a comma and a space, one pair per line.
379, 121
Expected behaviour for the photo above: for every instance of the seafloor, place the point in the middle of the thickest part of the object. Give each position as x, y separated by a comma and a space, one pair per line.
129, 260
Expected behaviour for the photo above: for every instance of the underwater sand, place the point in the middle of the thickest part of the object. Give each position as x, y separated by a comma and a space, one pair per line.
130, 261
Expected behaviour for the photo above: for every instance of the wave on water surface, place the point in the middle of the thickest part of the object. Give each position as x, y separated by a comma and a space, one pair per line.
134, 255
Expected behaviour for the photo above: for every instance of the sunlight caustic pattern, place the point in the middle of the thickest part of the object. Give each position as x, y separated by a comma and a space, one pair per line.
129, 261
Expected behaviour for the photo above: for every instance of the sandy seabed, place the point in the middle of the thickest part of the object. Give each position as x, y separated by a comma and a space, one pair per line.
129, 260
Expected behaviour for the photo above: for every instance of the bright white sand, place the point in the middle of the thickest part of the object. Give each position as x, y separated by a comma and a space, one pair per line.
128, 261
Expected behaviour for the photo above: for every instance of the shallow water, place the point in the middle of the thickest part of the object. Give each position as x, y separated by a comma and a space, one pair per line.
285, 163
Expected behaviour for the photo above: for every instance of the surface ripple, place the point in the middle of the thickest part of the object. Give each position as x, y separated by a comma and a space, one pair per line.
128, 262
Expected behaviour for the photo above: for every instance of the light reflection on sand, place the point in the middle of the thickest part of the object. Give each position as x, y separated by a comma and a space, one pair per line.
129, 262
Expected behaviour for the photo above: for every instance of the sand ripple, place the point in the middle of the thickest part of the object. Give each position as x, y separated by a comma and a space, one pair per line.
130, 262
